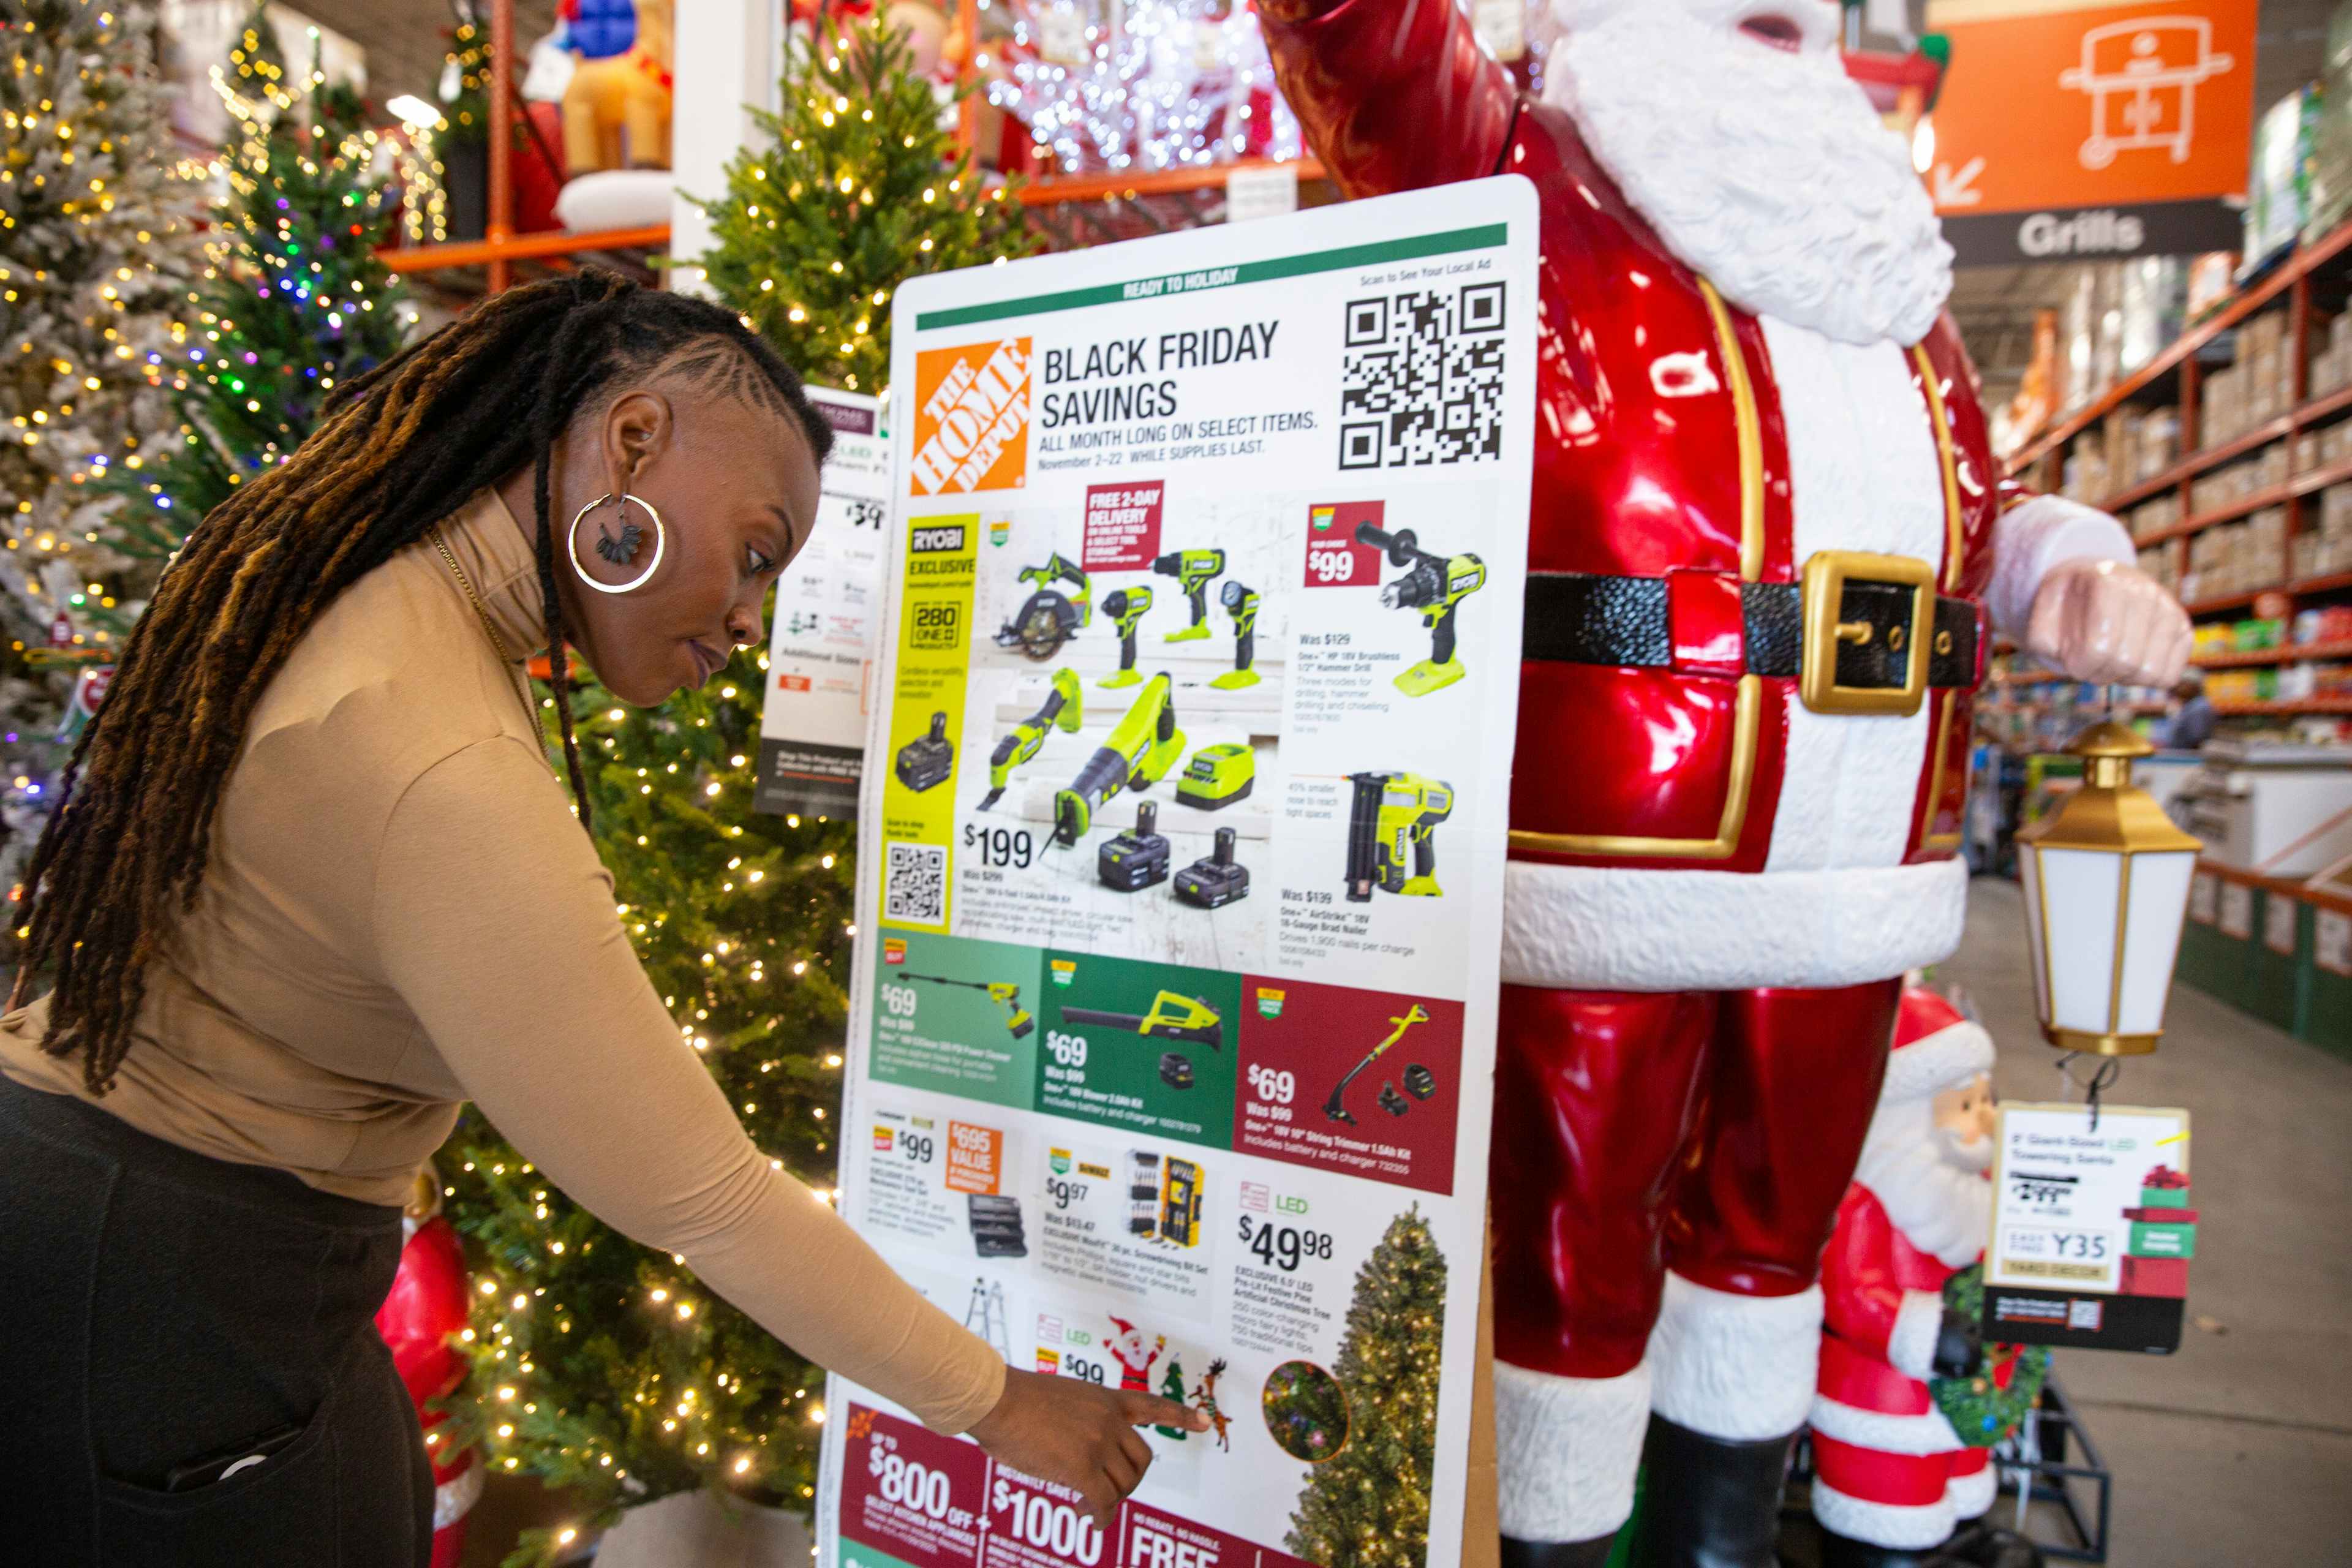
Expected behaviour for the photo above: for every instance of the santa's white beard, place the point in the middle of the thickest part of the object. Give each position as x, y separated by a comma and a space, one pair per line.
1765, 172
1966, 1153
1942, 1208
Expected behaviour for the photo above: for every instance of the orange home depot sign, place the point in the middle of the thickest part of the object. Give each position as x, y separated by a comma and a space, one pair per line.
971, 419
2074, 129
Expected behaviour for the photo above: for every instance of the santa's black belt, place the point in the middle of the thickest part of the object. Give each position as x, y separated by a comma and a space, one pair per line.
1862, 648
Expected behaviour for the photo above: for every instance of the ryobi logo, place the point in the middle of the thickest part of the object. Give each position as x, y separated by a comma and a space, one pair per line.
942, 539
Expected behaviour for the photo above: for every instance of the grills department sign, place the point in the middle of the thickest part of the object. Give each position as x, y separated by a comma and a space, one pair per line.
2069, 131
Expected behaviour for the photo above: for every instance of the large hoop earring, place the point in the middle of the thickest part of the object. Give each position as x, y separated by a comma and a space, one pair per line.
571, 544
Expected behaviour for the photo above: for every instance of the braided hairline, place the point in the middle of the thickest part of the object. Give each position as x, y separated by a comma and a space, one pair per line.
405, 445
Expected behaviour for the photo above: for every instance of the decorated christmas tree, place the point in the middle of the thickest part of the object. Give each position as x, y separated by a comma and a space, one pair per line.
296, 301
97, 254
599, 1365
856, 190
1368, 1506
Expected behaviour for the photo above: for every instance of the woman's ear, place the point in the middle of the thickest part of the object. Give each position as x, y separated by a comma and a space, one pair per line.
638, 427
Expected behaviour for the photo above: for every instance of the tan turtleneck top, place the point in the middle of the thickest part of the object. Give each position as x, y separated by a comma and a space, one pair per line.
401, 912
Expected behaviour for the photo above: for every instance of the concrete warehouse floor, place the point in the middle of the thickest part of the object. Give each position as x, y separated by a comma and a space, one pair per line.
2238, 1449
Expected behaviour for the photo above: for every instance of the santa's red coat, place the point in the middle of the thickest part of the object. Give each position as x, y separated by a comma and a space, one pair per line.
1688, 828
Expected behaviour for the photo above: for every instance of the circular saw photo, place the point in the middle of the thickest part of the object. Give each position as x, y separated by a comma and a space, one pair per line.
1049, 617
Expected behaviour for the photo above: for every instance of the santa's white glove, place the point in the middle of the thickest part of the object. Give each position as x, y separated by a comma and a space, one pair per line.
2104, 622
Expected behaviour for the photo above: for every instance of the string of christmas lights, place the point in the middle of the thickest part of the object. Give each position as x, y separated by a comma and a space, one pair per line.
1109, 85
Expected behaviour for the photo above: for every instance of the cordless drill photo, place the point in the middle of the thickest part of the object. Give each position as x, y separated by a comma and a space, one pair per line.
1193, 570
1436, 585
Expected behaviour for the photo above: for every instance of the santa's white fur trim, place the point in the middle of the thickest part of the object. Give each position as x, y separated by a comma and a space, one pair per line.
1617, 929
1882, 1433
2034, 538
1900, 1527
1742, 1367
454, 1498
1911, 1348
1946, 1059
1566, 1449
1971, 1496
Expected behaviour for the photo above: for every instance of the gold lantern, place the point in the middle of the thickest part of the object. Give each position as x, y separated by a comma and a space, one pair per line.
2107, 888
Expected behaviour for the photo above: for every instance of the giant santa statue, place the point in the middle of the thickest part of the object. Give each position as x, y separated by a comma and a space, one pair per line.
1770, 547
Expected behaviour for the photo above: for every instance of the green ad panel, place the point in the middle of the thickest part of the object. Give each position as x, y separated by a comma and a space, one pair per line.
1148, 1046
957, 1016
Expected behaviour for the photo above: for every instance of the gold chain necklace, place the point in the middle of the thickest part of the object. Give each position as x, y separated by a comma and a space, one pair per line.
481, 614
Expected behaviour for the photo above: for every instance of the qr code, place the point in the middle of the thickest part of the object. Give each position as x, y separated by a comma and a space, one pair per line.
1421, 378
915, 887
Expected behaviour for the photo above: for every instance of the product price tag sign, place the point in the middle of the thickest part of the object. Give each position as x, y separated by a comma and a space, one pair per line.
827, 614
1181, 848
2092, 1227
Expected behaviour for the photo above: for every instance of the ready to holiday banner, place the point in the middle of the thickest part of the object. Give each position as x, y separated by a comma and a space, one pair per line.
821, 647
1182, 838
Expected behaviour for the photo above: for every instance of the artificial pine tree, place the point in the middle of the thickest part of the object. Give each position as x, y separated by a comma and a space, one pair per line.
600, 1366
1368, 1506
856, 190
296, 303
96, 257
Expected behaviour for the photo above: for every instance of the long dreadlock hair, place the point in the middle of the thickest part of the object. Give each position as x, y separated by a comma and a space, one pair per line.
406, 445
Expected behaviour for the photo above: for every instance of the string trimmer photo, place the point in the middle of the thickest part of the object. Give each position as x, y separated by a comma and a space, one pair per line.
1335, 1107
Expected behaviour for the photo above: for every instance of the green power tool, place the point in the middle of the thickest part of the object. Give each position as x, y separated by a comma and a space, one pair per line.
1390, 816
1050, 617
1004, 993
1139, 754
1125, 608
1063, 706
1172, 1017
1335, 1107
1436, 585
1193, 570
1240, 601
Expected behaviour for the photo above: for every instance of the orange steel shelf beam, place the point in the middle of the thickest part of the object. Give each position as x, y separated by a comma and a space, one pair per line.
523, 247
1045, 192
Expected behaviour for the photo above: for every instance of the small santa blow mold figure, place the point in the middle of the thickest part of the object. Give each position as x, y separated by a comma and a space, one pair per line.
1896, 1480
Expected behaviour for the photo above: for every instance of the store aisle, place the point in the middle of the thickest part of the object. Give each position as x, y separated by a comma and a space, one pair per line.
2237, 1449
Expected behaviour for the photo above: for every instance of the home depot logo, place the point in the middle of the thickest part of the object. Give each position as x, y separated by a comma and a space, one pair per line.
971, 417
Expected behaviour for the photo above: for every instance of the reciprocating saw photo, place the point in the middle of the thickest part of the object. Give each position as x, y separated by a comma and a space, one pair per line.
1139, 754
1436, 585
1172, 1017
1063, 706
1003, 993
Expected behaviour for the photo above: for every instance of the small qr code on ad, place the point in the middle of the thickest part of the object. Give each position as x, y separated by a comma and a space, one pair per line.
915, 883
1421, 378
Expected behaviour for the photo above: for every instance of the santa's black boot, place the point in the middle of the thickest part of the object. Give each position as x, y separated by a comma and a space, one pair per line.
1593, 1553
1710, 1502
1979, 1544
1846, 1552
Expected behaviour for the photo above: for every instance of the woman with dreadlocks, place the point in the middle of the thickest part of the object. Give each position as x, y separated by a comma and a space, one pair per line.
315, 883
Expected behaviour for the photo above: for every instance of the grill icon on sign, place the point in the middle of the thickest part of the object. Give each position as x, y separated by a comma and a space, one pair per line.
2142, 78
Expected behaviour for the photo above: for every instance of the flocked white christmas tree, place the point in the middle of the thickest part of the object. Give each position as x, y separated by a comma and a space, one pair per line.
96, 255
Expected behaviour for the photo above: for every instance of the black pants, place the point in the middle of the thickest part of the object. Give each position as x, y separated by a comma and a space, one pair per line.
157, 1307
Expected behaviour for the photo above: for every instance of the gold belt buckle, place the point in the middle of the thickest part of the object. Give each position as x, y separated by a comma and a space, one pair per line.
1827, 573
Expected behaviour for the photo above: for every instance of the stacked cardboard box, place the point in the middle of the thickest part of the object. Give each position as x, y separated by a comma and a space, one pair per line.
2331, 364
2265, 470
2324, 548
2162, 563
2237, 558
2154, 516
2259, 386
